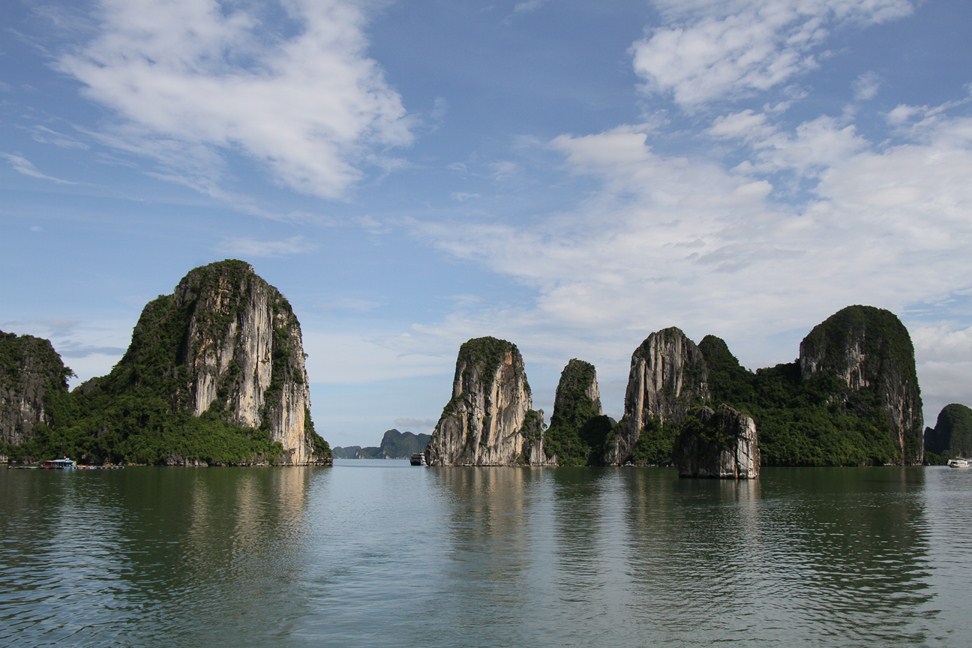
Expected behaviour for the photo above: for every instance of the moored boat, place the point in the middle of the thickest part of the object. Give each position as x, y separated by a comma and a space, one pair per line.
60, 464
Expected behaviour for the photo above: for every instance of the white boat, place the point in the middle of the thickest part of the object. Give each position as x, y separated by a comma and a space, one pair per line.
60, 464
960, 463
417, 459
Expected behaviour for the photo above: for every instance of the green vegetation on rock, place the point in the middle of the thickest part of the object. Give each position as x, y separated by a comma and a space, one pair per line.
142, 412
952, 434
838, 405
572, 435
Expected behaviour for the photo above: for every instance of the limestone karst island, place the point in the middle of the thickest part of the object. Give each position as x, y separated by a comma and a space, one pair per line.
215, 375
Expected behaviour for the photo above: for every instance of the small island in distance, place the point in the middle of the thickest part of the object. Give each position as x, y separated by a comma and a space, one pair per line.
394, 445
215, 375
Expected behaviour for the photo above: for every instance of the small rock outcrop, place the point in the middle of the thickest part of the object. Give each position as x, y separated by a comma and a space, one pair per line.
668, 377
952, 434
576, 431
869, 351
718, 443
31, 374
490, 420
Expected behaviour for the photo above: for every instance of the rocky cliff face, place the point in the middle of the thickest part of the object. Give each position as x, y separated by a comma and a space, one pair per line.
870, 351
572, 435
668, 377
490, 419
226, 342
718, 443
952, 434
31, 373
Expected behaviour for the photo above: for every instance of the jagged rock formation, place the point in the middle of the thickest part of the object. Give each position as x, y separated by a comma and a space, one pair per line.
668, 377
490, 420
717, 443
31, 374
225, 343
578, 426
870, 352
952, 434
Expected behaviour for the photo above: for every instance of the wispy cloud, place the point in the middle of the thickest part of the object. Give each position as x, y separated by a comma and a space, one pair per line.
866, 86
709, 51
25, 167
255, 248
198, 76
45, 135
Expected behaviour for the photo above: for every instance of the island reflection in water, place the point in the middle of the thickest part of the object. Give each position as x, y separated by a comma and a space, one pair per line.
382, 553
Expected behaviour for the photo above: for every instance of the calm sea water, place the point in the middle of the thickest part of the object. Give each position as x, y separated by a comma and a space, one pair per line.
379, 553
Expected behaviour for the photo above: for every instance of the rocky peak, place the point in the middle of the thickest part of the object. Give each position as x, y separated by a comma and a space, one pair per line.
869, 350
227, 342
572, 435
952, 434
31, 372
490, 419
668, 377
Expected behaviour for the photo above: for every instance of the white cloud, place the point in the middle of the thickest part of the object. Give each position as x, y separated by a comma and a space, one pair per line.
866, 86
944, 355
711, 50
685, 241
25, 167
247, 248
213, 78
744, 125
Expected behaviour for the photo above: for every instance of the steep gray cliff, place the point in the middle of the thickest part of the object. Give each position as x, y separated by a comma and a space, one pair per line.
490, 419
226, 342
668, 377
870, 352
718, 443
31, 374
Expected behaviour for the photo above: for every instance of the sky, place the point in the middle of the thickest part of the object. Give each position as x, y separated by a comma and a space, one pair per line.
564, 174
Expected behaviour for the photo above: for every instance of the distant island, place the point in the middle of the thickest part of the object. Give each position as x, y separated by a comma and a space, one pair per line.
394, 445
215, 375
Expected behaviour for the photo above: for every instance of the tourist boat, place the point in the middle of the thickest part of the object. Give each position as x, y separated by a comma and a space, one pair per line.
960, 463
417, 459
60, 464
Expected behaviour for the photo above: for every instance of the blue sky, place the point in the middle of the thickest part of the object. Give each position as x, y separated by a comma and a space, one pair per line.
568, 175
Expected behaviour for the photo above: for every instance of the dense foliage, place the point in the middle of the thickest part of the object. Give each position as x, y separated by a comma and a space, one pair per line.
572, 437
952, 434
815, 419
140, 412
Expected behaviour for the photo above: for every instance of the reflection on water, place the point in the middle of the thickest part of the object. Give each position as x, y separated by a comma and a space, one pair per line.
142, 554
381, 553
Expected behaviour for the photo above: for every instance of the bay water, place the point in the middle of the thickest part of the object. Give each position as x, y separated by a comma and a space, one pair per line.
380, 553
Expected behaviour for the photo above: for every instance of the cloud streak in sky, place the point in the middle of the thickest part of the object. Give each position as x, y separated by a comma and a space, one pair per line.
25, 167
713, 49
303, 101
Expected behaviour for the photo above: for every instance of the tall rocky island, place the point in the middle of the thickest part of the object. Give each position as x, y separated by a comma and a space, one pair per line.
851, 398
33, 387
214, 374
578, 427
490, 420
